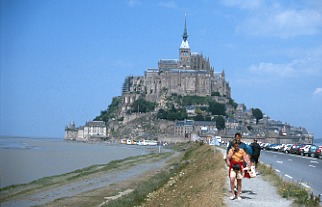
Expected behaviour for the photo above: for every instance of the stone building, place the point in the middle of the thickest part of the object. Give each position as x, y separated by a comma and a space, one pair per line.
92, 131
71, 132
191, 74
184, 128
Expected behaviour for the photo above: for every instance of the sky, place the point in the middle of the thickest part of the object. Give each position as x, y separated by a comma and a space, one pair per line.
64, 61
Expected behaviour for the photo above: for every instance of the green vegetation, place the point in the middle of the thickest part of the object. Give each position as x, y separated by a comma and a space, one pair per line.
207, 107
290, 190
215, 94
217, 108
233, 103
143, 106
220, 122
111, 111
141, 191
175, 107
195, 100
257, 113
173, 114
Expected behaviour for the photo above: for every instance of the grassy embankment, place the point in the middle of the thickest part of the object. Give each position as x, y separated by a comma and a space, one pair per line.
198, 180
289, 190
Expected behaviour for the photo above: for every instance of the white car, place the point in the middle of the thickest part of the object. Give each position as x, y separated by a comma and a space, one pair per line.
305, 149
287, 148
147, 143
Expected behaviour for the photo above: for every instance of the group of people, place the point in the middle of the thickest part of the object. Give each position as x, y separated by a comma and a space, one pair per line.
240, 156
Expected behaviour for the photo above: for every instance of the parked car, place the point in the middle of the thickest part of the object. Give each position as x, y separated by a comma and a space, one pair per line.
317, 153
296, 149
270, 147
280, 147
264, 145
287, 148
305, 149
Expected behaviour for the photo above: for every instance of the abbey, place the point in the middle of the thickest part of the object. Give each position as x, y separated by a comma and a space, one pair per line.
191, 74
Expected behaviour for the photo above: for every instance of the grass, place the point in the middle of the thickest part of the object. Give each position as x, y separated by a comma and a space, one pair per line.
196, 179
290, 190
141, 191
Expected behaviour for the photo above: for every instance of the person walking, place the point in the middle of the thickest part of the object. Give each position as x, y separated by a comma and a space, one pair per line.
256, 152
241, 145
235, 158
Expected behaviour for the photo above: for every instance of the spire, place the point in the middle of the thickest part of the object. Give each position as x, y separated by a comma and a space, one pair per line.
184, 43
185, 34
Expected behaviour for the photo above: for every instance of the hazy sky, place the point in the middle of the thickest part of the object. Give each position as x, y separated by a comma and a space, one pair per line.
63, 61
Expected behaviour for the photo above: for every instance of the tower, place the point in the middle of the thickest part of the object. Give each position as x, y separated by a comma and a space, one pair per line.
184, 51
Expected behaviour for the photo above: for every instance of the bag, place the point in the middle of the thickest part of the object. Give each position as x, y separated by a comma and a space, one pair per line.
235, 167
249, 173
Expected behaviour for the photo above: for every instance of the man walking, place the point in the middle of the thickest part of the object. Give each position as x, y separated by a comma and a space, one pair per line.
256, 152
241, 145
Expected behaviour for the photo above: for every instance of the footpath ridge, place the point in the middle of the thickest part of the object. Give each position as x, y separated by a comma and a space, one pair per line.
255, 192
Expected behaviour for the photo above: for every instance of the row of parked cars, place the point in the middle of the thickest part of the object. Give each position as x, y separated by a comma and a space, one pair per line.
310, 150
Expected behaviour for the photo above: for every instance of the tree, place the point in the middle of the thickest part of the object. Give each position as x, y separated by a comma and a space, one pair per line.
217, 108
142, 105
257, 113
220, 123
110, 112
162, 114
199, 117
173, 114
198, 111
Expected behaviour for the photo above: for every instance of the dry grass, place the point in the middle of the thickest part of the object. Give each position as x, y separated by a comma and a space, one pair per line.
200, 182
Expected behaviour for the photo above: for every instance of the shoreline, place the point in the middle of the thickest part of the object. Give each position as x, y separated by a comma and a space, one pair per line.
32, 159
66, 186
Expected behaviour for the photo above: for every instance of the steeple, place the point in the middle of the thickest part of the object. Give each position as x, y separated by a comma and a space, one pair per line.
184, 51
185, 34
184, 43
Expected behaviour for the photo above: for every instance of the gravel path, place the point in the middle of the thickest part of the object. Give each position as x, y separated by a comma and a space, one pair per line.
255, 192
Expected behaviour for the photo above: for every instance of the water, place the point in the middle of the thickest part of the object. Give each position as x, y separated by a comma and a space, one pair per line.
23, 160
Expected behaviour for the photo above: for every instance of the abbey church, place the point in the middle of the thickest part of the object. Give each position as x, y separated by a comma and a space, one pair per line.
190, 75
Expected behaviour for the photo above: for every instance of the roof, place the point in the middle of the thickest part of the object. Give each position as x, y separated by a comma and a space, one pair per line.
95, 124
185, 123
177, 70
205, 123
184, 44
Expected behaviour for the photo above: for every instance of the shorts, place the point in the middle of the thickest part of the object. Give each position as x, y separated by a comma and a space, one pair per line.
236, 174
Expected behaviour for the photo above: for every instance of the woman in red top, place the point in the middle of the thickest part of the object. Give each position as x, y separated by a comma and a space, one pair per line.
235, 159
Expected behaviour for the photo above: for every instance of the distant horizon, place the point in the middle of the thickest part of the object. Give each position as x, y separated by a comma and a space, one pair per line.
30, 137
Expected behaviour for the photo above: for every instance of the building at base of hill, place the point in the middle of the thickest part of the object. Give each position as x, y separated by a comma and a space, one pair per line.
92, 131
